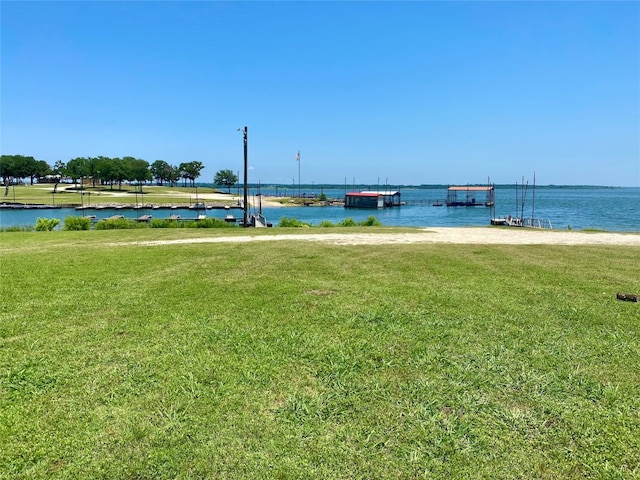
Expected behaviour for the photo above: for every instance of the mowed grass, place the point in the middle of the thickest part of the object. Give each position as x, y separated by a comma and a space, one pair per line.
296, 359
152, 194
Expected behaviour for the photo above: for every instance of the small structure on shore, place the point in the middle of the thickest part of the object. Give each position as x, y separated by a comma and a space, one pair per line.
470, 196
372, 199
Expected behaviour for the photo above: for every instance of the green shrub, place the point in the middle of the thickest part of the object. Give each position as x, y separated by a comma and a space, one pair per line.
326, 223
322, 197
371, 221
46, 224
119, 224
347, 222
292, 222
208, 223
163, 223
77, 223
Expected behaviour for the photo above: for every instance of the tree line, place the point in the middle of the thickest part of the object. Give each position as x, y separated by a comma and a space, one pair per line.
100, 170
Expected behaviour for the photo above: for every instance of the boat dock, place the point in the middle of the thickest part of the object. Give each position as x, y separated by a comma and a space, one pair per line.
470, 196
118, 206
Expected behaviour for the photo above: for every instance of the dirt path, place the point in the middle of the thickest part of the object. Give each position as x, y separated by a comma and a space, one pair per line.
452, 235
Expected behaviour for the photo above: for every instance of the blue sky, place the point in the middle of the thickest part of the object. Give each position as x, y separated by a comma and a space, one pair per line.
404, 92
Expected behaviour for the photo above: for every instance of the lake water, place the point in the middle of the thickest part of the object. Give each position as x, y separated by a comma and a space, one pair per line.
613, 209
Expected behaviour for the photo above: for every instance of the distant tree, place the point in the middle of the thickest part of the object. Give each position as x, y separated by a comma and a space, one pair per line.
160, 170
119, 172
77, 168
225, 177
28, 167
182, 173
104, 170
59, 168
136, 169
95, 168
173, 175
15, 167
42, 170
190, 171
109, 170
8, 168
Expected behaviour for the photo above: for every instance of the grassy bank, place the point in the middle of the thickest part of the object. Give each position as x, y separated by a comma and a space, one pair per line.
127, 195
308, 360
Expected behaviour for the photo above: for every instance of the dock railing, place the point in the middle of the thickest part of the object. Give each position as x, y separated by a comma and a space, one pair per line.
538, 223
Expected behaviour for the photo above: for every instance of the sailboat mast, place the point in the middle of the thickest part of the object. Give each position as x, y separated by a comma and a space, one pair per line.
533, 201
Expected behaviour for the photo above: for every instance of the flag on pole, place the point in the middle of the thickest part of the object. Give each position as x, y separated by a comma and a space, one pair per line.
298, 156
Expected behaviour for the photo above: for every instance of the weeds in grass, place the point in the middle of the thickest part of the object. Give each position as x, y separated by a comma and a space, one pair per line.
119, 224
292, 222
17, 228
347, 222
209, 223
370, 221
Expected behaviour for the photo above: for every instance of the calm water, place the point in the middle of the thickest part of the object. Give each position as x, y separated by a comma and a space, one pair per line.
613, 209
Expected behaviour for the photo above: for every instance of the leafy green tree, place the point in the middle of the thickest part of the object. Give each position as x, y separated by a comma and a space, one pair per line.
59, 168
28, 167
160, 170
42, 170
136, 170
110, 170
182, 172
225, 177
119, 172
15, 167
7, 168
95, 167
190, 171
77, 168
104, 168
173, 176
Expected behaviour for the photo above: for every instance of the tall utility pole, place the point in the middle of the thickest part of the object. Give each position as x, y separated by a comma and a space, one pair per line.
246, 184
298, 159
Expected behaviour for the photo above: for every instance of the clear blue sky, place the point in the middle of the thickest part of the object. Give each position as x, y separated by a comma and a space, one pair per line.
404, 92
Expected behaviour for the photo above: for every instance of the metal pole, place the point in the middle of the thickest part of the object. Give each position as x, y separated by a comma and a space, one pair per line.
533, 202
298, 174
246, 168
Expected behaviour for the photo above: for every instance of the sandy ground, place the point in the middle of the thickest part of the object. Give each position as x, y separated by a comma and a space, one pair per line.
451, 235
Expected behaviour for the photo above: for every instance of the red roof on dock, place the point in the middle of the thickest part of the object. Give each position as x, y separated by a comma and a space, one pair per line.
363, 194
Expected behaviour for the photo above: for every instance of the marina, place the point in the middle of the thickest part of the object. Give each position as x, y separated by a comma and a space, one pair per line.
566, 207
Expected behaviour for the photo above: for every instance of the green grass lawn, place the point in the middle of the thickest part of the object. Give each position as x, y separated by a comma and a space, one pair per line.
305, 360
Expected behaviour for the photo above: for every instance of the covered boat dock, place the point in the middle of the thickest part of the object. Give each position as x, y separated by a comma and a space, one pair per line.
372, 199
471, 196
